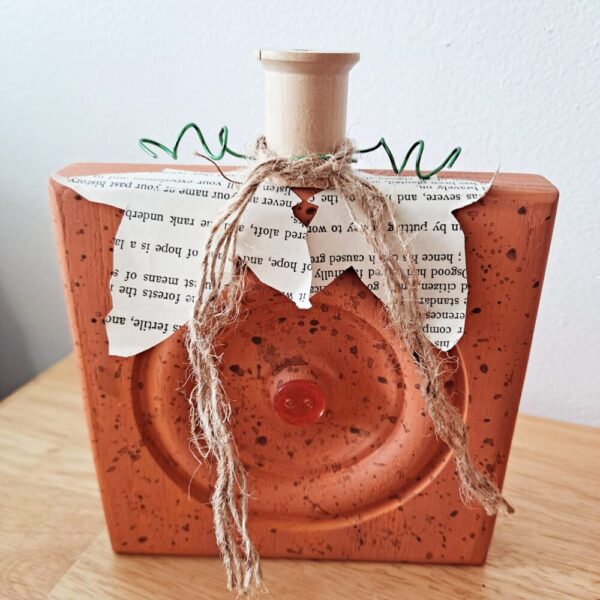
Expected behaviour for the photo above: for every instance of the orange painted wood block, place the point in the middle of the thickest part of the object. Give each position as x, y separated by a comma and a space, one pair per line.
365, 480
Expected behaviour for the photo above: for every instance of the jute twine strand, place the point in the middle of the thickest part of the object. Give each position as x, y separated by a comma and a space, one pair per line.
218, 303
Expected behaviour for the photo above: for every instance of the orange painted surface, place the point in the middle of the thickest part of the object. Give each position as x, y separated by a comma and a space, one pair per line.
365, 480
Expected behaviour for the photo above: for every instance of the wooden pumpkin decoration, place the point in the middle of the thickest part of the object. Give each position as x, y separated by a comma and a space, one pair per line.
328, 416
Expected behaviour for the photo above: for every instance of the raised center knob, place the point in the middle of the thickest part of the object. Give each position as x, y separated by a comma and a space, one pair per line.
299, 401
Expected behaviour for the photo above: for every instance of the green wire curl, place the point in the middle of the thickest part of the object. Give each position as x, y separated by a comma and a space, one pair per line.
173, 153
420, 144
224, 149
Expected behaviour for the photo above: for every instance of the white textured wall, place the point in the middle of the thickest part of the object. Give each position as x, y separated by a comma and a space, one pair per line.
81, 80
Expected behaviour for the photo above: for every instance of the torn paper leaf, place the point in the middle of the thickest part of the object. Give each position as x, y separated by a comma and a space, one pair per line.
167, 219
160, 243
273, 243
423, 212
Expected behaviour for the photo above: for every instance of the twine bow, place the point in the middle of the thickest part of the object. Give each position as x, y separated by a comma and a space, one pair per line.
218, 303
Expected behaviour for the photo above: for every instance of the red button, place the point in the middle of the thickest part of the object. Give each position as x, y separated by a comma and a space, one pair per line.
298, 402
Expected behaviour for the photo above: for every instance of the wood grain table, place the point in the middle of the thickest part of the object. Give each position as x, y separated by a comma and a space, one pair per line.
53, 542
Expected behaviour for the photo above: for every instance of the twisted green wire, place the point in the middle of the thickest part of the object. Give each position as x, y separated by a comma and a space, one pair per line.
223, 138
419, 146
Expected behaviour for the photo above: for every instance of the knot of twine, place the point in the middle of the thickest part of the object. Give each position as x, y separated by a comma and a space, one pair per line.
218, 303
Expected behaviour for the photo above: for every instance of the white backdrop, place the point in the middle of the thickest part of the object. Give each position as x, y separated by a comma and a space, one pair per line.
82, 80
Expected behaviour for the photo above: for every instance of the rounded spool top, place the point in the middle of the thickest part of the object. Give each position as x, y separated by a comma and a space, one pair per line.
306, 99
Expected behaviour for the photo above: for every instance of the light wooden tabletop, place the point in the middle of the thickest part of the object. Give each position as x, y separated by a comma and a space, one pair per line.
53, 542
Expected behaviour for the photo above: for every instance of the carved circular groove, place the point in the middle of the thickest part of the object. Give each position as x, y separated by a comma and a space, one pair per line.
372, 449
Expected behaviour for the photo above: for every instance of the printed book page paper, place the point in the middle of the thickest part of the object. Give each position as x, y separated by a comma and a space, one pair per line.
423, 211
167, 219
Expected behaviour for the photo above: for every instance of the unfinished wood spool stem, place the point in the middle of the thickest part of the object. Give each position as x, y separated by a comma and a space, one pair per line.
306, 99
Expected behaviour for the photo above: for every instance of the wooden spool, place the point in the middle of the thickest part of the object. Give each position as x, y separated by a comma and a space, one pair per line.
368, 480
306, 99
